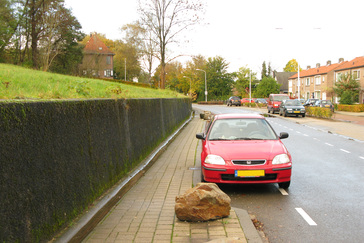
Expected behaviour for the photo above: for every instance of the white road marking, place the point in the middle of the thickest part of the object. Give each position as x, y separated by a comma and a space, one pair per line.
284, 192
361, 157
345, 151
306, 217
316, 139
329, 144
298, 132
305, 135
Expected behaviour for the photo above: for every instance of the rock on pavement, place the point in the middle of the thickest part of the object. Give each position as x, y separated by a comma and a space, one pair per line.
202, 203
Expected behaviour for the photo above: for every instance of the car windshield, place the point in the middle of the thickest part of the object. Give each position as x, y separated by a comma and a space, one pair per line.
280, 97
241, 129
326, 102
292, 102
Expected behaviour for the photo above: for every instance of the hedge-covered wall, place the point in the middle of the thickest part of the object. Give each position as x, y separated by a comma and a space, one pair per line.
57, 157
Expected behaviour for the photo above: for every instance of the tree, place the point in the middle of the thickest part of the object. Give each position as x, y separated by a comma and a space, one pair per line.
61, 30
242, 83
165, 20
197, 78
266, 86
142, 40
291, 66
347, 89
42, 30
125, 53
7, 26
219, 81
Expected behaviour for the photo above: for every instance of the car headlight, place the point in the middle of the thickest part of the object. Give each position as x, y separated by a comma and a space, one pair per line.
289, 109
214, 160
280, 159
303, 110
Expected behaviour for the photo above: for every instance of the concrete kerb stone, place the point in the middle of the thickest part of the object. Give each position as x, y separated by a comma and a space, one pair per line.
84, 225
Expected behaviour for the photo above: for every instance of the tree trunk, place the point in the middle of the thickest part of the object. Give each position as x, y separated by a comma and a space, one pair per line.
34, 36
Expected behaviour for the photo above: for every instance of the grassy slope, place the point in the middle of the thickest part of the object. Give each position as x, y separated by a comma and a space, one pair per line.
22, 83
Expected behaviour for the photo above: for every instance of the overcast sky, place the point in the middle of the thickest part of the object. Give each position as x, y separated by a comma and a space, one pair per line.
248, 32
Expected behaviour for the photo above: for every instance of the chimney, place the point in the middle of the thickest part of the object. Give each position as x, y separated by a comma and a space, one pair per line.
328, 63
308, 67
341, 60
317, 65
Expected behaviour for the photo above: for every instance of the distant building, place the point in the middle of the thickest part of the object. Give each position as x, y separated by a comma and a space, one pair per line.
282, 79
98, 59
315, 82
355, 68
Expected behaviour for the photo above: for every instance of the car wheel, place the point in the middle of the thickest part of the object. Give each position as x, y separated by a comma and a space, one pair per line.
280, 113
285, 114
303, 115
284, 185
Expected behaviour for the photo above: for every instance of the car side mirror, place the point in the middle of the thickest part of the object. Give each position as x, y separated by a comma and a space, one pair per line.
283, 135
200, 136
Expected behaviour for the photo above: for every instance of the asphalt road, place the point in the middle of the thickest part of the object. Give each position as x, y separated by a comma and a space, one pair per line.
325, 202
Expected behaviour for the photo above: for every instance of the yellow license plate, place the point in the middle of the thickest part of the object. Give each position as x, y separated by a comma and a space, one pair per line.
249, 173
297, 112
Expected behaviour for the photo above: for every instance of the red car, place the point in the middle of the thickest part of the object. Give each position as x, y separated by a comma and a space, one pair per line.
247, 100
244, 148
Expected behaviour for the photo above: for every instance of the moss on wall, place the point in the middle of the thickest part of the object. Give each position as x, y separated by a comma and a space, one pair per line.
57, 157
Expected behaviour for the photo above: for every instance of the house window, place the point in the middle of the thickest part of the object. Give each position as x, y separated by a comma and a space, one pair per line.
338, 76
108, 60
318, 80
356, 74
307, 81
108, 73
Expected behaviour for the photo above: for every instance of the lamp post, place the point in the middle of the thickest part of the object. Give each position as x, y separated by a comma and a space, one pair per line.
190, 85
250, 86
299, 82
205, 84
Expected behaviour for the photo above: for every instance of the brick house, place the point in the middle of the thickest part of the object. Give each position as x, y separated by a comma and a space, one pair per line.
318, 82
355, 68
97, 60
315, 82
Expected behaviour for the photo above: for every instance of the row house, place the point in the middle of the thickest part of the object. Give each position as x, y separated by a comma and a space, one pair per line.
356, 69
318, 82
97, 59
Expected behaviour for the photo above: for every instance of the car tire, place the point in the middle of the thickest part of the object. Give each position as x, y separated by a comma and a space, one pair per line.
284, 185
285, 114
303, 115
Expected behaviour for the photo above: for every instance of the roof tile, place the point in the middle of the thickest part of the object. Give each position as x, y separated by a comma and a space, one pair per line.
95, 46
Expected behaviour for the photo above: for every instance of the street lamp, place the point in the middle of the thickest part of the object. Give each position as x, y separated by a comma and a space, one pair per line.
205, 84
190, 85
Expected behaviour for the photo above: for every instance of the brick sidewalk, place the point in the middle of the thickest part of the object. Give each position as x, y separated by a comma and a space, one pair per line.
146, 212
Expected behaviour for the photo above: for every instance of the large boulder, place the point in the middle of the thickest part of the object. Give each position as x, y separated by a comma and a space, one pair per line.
202, 203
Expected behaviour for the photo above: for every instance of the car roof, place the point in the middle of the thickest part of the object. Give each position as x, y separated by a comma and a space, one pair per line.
238, 115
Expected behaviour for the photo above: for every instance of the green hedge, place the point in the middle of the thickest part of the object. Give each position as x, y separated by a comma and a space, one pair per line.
319, 112
57, 157
351, 108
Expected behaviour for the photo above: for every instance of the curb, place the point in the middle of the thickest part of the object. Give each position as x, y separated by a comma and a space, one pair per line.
251, 233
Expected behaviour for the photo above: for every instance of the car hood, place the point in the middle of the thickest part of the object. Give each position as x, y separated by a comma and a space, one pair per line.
247, 149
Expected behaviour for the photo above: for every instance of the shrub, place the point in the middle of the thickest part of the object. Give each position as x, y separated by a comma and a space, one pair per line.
351, 108
319, 112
